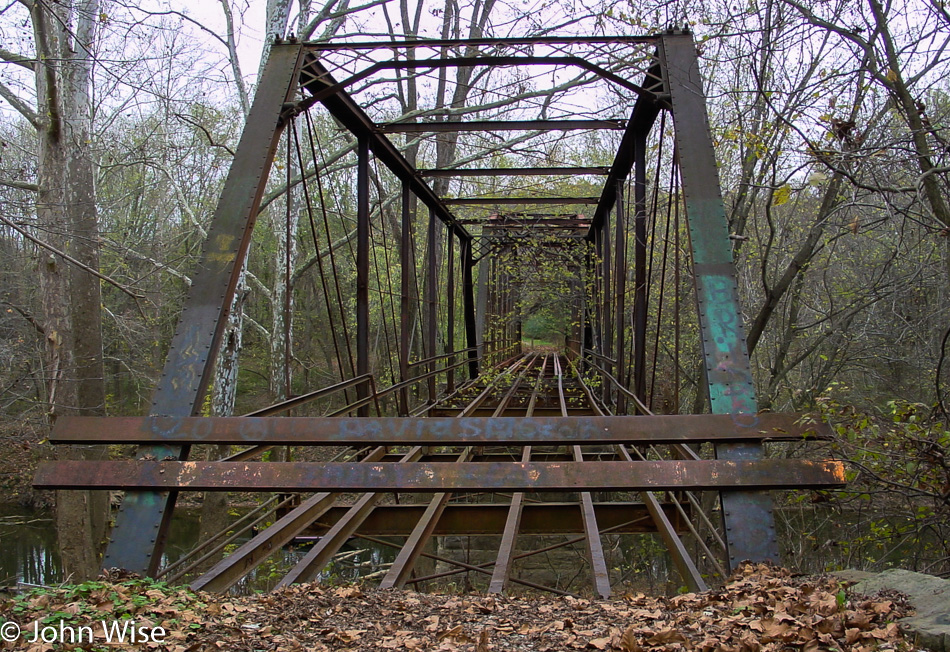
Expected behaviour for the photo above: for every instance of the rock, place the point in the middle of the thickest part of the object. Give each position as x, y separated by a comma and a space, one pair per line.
930, 596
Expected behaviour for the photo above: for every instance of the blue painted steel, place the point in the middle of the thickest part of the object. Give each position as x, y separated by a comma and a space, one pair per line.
749, 521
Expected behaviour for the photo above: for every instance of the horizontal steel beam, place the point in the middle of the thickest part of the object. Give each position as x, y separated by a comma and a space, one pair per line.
438, 431
439, 476
498, 125
474, 519
505, 172
484, 42
352, 116
510, 223
493, 201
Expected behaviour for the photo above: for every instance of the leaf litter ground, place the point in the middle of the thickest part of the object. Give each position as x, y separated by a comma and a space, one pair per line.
761, 608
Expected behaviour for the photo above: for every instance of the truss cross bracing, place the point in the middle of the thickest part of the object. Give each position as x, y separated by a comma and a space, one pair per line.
443, 419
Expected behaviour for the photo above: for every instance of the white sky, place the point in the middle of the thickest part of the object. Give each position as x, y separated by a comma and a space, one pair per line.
248, 23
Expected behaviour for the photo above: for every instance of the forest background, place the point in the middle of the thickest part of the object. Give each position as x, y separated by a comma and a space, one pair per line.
830, 122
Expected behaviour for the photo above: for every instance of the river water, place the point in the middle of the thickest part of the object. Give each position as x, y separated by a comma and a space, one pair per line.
29, 553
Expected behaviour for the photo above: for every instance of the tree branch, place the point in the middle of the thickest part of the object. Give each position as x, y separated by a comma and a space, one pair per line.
69, 258
20, 185
19, 105
27, 316
207, 133
18, 59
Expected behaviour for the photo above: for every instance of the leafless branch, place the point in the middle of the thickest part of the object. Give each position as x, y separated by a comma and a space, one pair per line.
19, 105
70, 259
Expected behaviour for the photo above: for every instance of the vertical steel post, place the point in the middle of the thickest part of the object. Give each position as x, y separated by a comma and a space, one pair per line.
491, 281
450, 308
431, 301
640, 265
405, 263
747, 515
606, 324
620, 282
597, 270
362, 269
138, 538
468, 299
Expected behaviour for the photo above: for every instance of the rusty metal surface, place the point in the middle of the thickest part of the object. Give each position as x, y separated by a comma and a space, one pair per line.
471, 519
595, 547
303, 431
439, 476
498, 125
502, 570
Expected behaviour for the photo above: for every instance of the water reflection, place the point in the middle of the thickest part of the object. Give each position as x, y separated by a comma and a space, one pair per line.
28, 551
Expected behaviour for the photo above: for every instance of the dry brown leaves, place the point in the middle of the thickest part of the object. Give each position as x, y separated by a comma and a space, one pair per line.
761, 608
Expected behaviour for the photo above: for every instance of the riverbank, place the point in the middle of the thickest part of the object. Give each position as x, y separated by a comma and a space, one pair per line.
761, 608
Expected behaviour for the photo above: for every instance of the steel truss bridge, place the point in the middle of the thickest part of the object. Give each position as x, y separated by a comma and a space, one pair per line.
440, 422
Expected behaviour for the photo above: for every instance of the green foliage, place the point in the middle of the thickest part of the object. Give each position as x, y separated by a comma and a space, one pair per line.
895, 510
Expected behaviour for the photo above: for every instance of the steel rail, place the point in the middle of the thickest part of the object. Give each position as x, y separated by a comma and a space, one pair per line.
405, 561
595, 547
502, 569
236, 534
307, 569
252, 554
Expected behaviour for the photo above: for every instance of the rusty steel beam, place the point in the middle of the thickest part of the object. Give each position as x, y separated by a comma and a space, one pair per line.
640, 269
595, 547
517, 201
316, 559
472, 519
484, 42
492, 126
468, 308
141, 526
229, 571
440, 476
362, 270
438, 431
502, 570
514, 172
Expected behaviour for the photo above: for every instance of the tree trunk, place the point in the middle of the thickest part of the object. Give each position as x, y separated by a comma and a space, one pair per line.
66, 213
